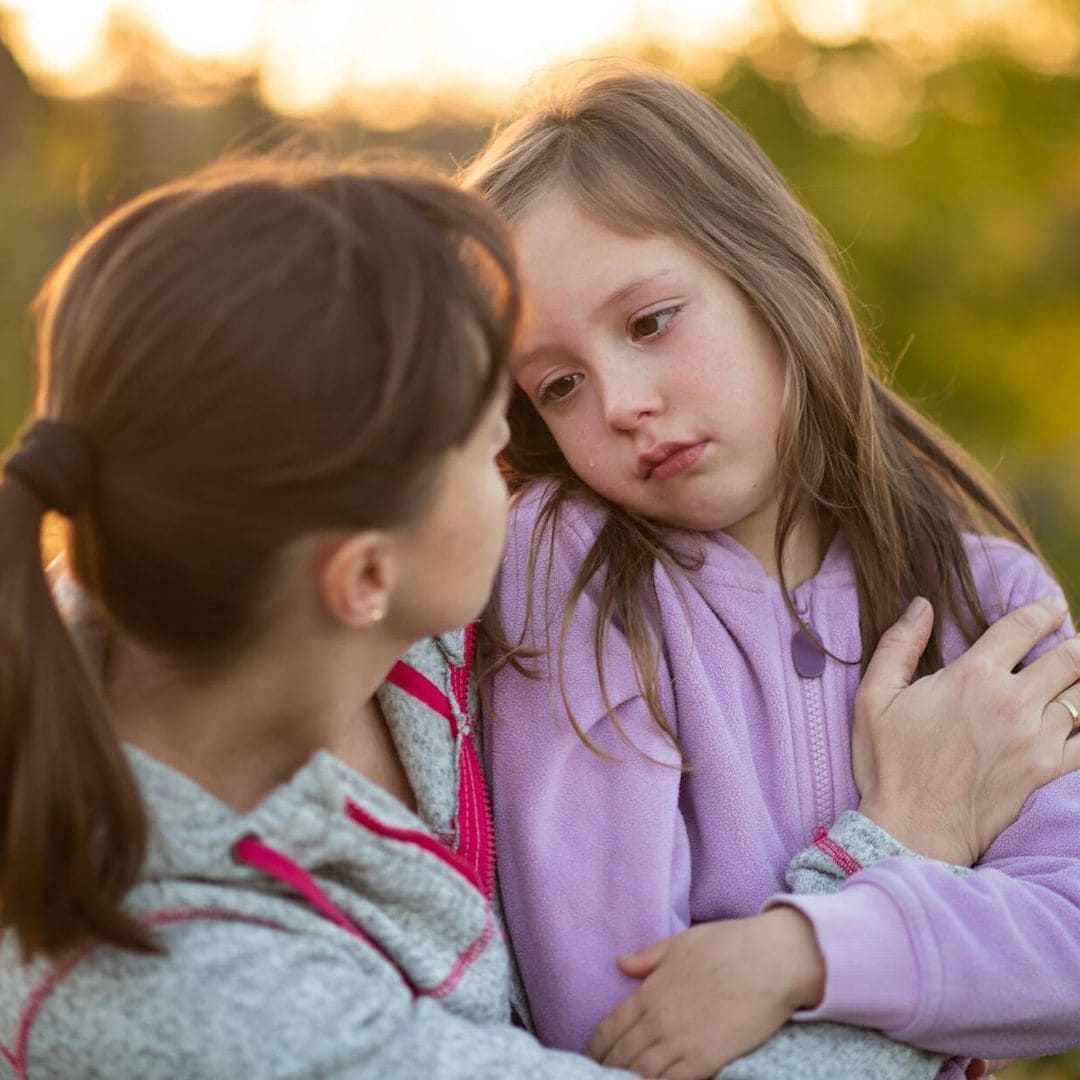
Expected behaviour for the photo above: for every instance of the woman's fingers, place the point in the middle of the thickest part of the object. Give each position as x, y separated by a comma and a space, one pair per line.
1061, 717
1014, 635
1053, 750
1070, 759
1063, 711
949, 760
1053, 672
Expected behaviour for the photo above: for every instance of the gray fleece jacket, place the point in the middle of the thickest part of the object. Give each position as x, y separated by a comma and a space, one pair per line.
331, 932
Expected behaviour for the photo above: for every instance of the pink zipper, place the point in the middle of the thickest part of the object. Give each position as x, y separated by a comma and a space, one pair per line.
476, 834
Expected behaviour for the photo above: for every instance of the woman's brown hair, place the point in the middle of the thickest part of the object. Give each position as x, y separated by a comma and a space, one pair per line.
251, 354
643, 153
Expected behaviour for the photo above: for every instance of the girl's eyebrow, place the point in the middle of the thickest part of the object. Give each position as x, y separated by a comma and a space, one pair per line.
519, 363
627, 290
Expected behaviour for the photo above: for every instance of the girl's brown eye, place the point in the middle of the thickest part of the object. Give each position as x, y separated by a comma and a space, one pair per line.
650, 325
646, 326
558, 388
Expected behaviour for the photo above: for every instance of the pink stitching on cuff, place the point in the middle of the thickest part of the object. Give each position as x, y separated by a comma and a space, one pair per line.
843, 858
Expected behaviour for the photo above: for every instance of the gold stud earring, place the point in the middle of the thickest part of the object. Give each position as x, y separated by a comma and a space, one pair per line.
376, 614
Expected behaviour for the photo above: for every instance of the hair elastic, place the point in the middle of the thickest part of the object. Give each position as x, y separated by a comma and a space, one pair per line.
55, 463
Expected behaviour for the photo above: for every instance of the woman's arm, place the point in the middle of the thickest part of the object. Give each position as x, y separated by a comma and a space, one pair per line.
679, 1012
992, 961
684, 1023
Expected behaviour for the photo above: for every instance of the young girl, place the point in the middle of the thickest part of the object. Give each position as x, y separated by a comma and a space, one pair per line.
244, 839
720, 508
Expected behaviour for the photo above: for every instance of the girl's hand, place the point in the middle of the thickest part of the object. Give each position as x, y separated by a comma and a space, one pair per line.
711, 994
946, 763
981, 1067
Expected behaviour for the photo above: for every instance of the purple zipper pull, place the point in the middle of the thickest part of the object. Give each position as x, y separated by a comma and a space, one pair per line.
807, 655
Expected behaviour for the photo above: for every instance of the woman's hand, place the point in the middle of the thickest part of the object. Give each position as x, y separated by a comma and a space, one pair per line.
946, 763
711, 994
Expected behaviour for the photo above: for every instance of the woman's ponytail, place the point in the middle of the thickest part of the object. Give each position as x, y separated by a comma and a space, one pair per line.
228, 363
72, 827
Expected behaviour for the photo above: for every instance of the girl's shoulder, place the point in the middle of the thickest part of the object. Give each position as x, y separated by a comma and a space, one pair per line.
546, 547
544, 555
577, 521
1006, 574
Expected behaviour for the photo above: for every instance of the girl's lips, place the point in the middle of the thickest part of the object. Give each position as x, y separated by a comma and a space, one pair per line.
678, 461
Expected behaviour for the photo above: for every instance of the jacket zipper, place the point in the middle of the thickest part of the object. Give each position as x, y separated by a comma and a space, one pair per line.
814, 713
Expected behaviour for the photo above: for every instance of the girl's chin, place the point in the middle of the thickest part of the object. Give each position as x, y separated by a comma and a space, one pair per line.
692, 516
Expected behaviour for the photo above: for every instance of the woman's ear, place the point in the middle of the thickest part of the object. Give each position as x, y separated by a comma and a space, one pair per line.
357, 578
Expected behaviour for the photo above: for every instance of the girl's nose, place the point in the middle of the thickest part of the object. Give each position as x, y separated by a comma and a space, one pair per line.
629, 397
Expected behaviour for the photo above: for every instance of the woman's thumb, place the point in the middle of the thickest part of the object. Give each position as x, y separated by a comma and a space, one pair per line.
893, 664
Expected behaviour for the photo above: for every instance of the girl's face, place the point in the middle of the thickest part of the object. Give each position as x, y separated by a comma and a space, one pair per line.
659, 381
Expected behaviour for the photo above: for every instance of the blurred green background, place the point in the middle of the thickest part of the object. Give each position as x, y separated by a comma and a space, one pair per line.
948, 177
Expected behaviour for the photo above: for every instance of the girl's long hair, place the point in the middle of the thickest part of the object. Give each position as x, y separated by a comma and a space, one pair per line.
645, 154
255, 353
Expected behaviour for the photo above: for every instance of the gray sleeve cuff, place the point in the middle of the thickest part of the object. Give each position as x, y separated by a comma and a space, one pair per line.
853, 843
824, 1051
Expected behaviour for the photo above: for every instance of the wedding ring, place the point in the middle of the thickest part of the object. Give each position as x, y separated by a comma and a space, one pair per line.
1070, 708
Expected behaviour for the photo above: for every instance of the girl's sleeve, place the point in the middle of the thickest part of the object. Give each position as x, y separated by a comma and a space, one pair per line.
982, 964
593, 852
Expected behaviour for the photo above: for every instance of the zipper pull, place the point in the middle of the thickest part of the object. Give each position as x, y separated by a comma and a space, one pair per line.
807, 655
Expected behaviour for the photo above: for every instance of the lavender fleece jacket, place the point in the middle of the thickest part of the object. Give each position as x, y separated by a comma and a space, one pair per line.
598, 858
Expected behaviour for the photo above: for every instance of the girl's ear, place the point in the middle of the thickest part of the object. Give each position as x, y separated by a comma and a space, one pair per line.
357, 578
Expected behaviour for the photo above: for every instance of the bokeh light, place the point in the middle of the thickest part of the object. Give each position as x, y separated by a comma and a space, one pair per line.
390, 62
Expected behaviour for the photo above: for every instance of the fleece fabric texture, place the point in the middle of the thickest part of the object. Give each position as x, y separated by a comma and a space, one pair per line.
256, 981
600, 857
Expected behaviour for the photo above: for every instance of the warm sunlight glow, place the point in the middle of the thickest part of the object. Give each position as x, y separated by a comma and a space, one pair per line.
61, 41
206, 29
391, 62
832, 22
500, 42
